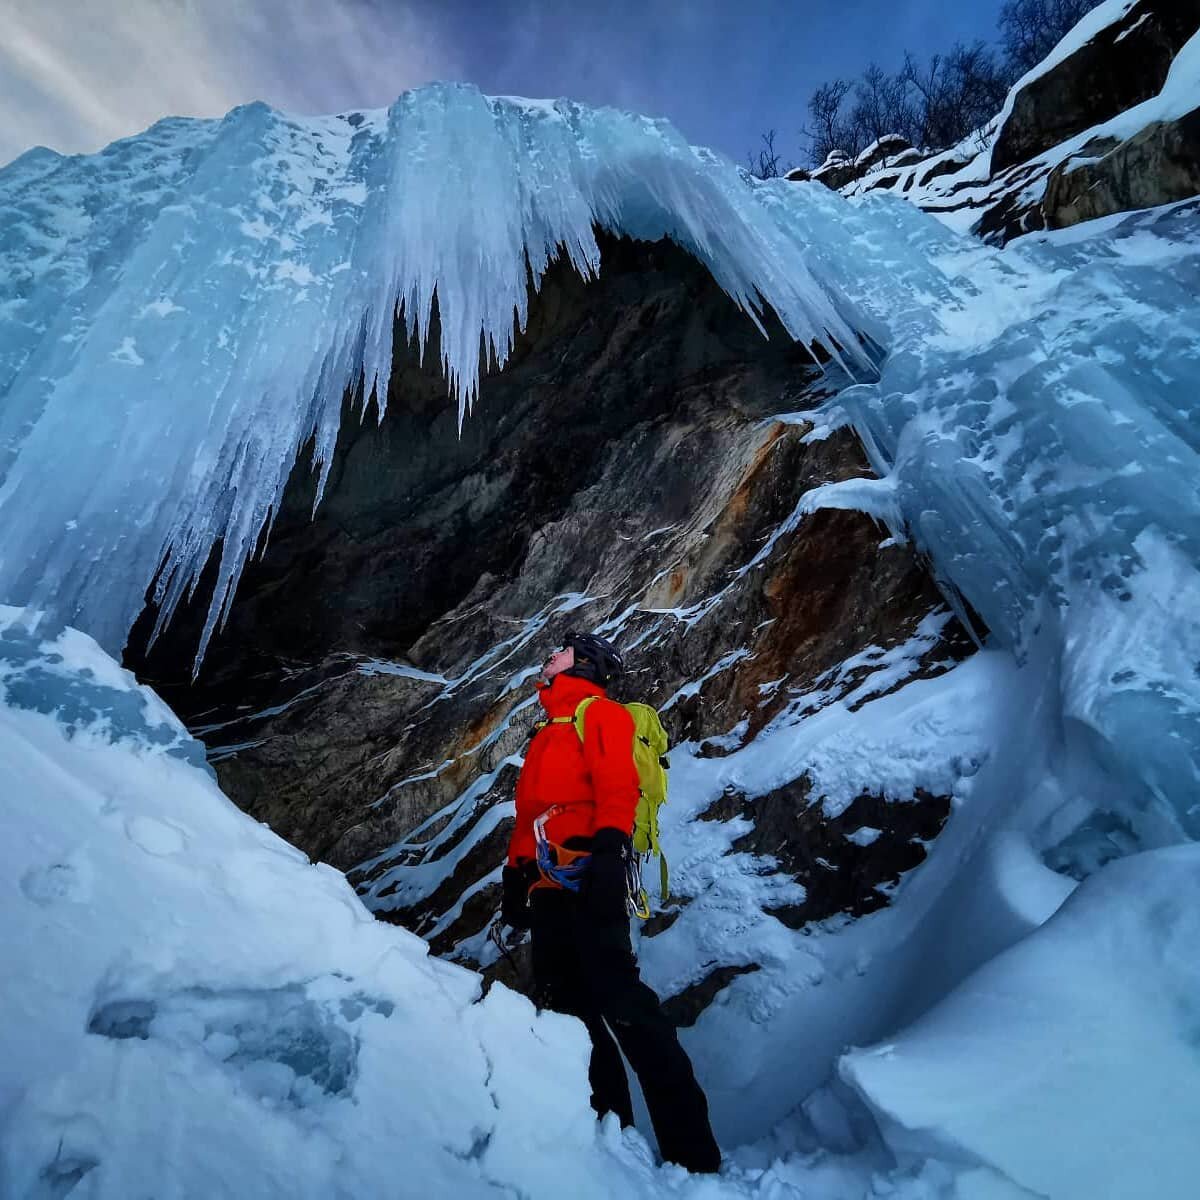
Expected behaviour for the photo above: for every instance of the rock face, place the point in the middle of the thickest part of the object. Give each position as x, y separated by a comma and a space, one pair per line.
636, 468
1158, 165
836, 171
1034, 167
846, 863
1125, 63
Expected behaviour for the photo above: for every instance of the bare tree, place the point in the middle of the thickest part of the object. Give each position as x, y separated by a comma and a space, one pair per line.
829, 130
1030, 29
882, 106
937, 103
767, 164
929, 85
977, 85
954, 94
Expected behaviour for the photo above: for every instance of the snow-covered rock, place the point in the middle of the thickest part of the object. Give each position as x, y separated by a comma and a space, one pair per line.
836, 171
882, 152
1117, 56
1106, 124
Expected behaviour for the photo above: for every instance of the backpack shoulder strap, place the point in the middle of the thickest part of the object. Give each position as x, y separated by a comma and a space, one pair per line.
580, 712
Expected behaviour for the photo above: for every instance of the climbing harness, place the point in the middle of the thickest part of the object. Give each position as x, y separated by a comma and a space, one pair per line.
566, 868
559, 866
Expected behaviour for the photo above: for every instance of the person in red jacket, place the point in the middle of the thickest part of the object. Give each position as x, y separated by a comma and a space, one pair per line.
577, 904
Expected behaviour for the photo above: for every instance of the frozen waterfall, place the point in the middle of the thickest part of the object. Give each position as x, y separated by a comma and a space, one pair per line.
181, 313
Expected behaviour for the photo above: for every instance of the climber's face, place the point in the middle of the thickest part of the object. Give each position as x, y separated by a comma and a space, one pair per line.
558, 662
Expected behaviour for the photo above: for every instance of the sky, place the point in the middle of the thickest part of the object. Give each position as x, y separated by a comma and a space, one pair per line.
77, 74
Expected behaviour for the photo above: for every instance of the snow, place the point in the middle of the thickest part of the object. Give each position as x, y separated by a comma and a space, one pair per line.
1179, 95
821, 990
957, 195
1088, 1026
234, 1023
191, 1008
1135, 26
871, 151
865, 835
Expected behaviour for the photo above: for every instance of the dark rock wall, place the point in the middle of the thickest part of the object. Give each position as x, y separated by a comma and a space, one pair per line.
1158, 165
1125, 63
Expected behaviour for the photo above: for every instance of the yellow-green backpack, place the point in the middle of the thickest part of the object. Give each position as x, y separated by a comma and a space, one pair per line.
649, 756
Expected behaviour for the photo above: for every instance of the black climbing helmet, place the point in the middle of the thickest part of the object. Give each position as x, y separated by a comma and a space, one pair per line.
596, 658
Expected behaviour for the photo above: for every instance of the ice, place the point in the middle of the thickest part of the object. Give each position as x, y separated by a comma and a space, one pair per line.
182, 312
44, 668
286, 1045
1089, 1026
1035, 433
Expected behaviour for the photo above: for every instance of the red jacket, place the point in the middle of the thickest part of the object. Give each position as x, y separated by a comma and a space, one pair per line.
593, 781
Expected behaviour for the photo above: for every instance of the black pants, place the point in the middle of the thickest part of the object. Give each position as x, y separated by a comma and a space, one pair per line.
587, 970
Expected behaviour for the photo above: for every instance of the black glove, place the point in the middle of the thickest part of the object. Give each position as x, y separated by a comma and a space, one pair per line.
514, 907
605, 886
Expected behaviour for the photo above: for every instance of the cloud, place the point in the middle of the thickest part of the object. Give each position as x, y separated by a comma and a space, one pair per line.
75, 74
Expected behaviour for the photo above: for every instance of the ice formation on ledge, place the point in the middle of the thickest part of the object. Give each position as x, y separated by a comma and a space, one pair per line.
180, 313
1036, 428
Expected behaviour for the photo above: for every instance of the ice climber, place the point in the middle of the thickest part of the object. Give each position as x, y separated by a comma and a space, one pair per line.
578, 798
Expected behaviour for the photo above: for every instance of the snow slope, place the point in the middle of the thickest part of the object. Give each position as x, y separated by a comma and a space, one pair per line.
1096, 1017
192, 1009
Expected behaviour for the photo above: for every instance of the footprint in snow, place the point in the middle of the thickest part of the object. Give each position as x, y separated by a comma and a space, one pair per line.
59, 882
154, 836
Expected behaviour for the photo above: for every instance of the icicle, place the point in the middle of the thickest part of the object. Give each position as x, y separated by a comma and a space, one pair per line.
183, 312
